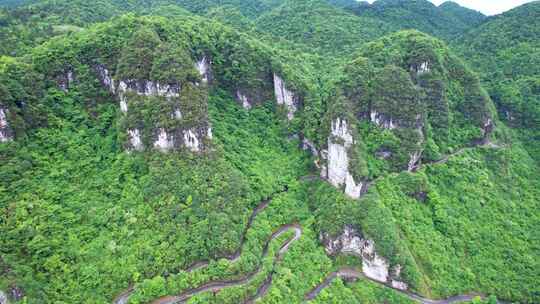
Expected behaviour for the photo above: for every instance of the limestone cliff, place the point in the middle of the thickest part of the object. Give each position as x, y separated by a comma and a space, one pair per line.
337, 156
351, 242
6, 133
168, 96
285, 97
3, 298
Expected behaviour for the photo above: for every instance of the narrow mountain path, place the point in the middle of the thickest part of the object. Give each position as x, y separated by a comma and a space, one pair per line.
351, 273
216, 286
345, 273
123, 297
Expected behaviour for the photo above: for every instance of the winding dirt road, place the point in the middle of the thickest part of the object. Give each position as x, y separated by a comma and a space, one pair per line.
345, 273
215, 286
123, 298
350, 273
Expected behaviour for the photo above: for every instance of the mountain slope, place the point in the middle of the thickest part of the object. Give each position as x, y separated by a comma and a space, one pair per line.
506, 52
323, 28
445, 21
161, 159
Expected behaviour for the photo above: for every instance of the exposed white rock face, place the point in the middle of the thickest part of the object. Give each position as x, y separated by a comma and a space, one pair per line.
373, 265
284, 96
488, 127
70, 77
148, 88
323, 164
124, 89
192, 141
135, 139
424, 67
413, 161
395, 283
338, 160
123, 105
203, 66
5, 130
106, 78
141, 88
164, 142
177, 114
3, 298
353, 189
382, 121
246, 103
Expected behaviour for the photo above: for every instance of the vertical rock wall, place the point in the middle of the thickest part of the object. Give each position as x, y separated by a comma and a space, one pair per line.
6, 133
338, 174
204, 68
163, 140
3, 298
284, 96
373, 266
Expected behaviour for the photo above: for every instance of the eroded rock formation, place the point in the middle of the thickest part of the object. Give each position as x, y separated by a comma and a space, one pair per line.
373, 266
244, 100
204, 68
3, 298
284, 96
163, 139
338, 174
6, 133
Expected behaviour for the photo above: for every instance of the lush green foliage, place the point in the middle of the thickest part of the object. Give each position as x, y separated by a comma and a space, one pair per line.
81, 219
320, 26
445, 21
506, 52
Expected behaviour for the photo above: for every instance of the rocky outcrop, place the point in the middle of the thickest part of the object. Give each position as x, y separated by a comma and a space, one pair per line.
338, 174
284, 96
382, 120
163, 140
421, 68
244, 100
414, 159
204, 68
6, 133
191, 140
3, 298
135, 141
106, 78
373, 266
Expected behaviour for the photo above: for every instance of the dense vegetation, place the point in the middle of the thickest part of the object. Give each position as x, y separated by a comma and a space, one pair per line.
445, 21
84, 216
506, 51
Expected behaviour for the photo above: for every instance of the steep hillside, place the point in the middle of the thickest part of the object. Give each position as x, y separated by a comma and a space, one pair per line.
506, 52
141, 86
323, 28
445, 21
269, 151
406, 99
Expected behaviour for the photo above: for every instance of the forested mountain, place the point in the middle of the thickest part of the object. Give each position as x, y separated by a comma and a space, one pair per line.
270, 151
321, 26
506, 52
445, 21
